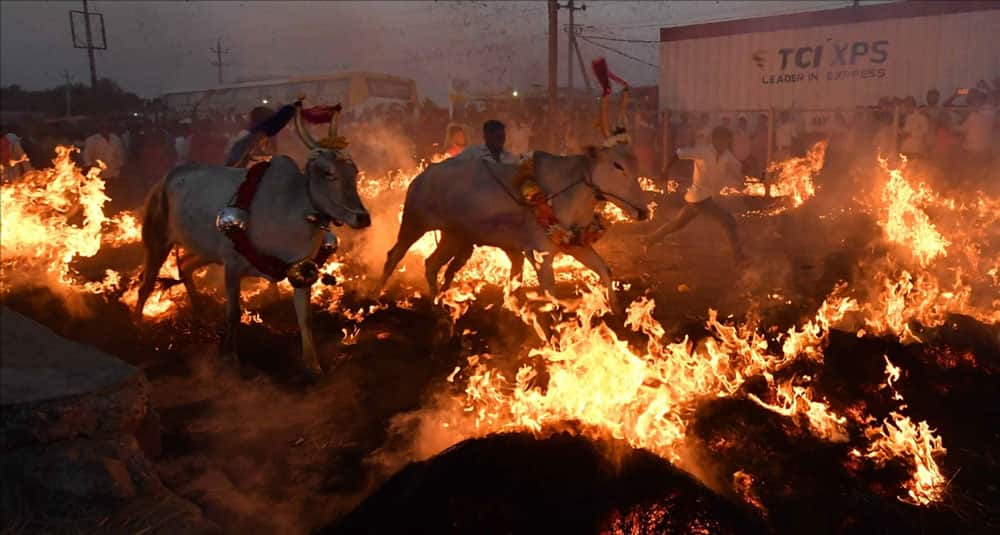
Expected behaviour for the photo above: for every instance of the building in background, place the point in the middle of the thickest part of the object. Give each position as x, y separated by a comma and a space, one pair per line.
821, 62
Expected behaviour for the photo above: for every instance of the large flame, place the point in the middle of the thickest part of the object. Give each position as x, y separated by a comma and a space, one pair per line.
54, 215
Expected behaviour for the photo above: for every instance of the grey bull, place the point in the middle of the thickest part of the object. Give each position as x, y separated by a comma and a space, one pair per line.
474, 202
181, 211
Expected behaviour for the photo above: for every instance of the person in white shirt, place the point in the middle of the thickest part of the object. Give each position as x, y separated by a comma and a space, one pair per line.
977, 132
703, 131
785, 135
182, 145
977, 129
714, 166
106, 147
884, 141
14, 162
741, 140
916, 130
495, 136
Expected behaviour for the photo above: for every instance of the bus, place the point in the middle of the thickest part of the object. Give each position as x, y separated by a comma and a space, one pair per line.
352, 89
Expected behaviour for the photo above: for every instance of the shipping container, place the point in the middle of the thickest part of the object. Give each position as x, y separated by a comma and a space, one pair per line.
841, 58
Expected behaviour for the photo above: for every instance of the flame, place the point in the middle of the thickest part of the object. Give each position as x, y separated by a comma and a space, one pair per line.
794, 180
743, 485
940, 259
54, 215
903, 219
643, 397
898, 437
795, 175
798, 400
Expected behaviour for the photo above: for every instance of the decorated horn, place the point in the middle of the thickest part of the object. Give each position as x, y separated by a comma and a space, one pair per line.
604, 76
303, 132
335, 120
603, 119
622, 119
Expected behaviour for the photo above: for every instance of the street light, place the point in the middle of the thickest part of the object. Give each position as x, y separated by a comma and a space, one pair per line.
514, 93
263, 101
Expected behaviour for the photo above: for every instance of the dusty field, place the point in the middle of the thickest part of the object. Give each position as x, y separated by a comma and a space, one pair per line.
261, 451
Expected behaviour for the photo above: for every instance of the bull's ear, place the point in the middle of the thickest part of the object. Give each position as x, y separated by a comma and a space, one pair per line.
591, 152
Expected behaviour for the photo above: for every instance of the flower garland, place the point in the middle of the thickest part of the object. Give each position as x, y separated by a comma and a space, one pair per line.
563, 237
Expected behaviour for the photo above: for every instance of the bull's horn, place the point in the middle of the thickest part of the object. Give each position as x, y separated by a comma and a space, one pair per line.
605, 129
622, 119
335, 120
304, 134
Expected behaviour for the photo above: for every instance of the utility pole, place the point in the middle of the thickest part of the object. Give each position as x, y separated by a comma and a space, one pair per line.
571, 41
68, 77
553, 53
583, 68
90, 46
88, 41
219, 51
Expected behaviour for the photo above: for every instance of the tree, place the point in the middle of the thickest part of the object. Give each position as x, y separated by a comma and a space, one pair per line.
108, 98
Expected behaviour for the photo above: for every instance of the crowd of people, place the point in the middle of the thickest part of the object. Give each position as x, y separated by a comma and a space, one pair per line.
959, 134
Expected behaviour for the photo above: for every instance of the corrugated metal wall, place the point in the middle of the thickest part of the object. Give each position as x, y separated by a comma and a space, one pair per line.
719, 73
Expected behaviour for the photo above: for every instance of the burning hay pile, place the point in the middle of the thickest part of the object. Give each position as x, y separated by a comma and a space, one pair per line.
863, 412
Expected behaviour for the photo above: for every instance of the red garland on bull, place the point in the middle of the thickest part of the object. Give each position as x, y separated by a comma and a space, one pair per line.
232, 221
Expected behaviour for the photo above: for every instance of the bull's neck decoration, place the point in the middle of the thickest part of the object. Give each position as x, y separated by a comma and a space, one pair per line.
541, 205
233, 220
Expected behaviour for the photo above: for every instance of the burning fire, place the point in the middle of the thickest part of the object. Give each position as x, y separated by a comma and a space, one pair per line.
52, 216
793, 179
904, 220
899, 437
795, 175
646, 398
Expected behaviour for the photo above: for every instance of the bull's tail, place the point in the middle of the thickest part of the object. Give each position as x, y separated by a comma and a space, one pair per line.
155, 240
154, 221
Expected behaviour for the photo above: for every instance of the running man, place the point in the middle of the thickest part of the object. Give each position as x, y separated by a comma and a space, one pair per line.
714, 166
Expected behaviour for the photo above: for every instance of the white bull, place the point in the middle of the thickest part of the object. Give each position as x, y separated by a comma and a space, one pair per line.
181, 211
474, 202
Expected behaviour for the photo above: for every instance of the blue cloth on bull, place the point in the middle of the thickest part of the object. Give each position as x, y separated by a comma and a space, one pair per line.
268, 127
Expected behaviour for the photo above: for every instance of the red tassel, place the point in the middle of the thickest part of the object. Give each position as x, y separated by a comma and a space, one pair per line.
604, 75
601, 72
319, 114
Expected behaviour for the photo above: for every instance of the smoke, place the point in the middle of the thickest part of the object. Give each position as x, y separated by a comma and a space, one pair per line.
386, 159
262, 455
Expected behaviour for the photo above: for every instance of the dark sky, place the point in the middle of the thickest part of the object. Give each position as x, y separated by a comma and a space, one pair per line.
159, 46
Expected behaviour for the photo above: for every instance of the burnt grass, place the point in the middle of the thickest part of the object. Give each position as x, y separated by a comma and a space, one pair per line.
259, 449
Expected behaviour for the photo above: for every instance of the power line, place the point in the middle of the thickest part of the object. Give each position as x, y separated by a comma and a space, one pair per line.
622, 40
619, 52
